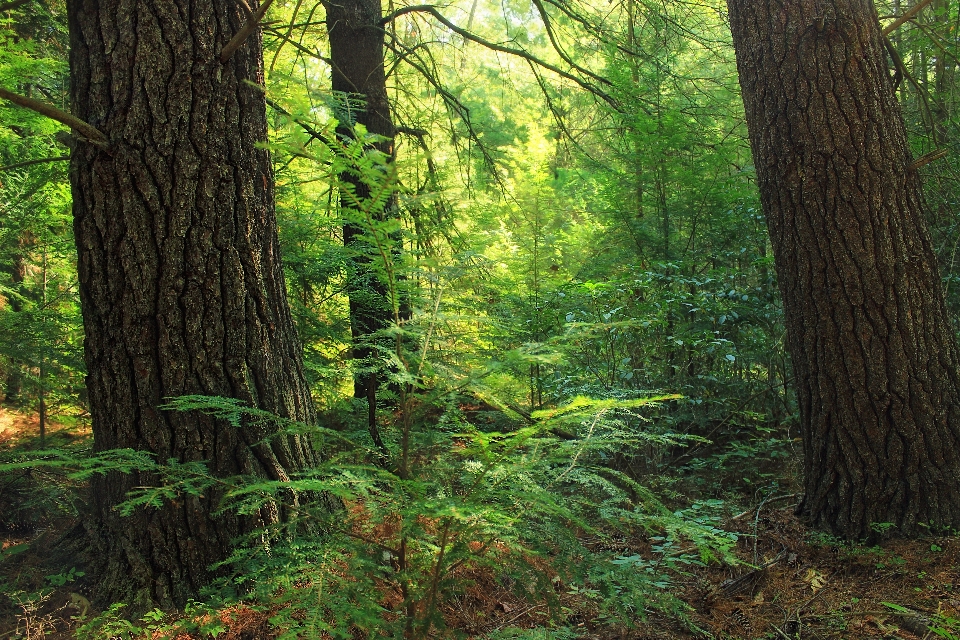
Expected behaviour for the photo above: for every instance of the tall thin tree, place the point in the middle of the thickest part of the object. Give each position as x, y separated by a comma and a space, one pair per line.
359, 80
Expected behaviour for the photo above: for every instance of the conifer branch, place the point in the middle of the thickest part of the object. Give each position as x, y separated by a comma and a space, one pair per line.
8, 6
520, 53
245, 31
28, 163
88, 131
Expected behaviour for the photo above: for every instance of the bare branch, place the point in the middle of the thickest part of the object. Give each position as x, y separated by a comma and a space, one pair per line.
520, 53
306, 126
927, 159
410, 131
245, 31
293, 19
914, 10
247, 11
29, 163
904, 72
88, 131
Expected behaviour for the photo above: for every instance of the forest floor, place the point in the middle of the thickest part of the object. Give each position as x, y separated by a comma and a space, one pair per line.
792, 583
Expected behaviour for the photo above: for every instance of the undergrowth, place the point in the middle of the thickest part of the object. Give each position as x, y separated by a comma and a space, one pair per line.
535, 512
453, 503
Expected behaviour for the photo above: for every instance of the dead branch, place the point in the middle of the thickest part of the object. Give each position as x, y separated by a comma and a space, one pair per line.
88, 131
248, 28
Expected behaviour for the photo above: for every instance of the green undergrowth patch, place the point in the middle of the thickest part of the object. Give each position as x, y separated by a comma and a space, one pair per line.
460, 529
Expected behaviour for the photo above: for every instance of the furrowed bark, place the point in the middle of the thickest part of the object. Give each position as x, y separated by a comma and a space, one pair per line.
181, 284
874, 357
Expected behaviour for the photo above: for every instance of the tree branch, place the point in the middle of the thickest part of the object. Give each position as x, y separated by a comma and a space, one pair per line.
520, 53
296, 45
914, 10
556, 44
28, 163
245, 31
410, 131
927, 159
90, 132
313, 133
7, 6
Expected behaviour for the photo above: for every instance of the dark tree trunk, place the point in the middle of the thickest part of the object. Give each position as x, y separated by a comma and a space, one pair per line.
181, 284
356, 50
875, 361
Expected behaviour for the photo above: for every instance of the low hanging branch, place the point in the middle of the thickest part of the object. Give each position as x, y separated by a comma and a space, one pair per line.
88, 131
8, 6
30, 163
244, 33
914, 10
520, 53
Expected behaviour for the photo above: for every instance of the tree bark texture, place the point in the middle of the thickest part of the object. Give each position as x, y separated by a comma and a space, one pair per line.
874, 358
181, 284
356, 51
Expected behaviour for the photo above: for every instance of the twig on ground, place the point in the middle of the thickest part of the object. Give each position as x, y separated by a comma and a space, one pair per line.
780, 631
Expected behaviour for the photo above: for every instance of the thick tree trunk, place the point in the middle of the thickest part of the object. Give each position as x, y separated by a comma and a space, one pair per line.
875, 362
181, 284
356, 51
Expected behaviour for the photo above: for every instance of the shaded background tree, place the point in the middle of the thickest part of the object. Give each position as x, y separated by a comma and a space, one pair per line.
358, 81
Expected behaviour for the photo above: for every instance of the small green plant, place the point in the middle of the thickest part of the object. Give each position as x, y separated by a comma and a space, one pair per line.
448, 508
882, 527
109, 624
60, 579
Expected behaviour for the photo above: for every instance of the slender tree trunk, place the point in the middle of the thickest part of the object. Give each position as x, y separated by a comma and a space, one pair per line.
356, 50
875, 361
42, 368
14, 379
944, 74
181, 285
